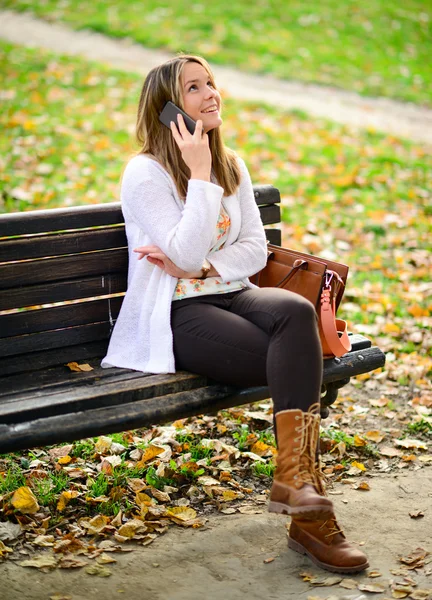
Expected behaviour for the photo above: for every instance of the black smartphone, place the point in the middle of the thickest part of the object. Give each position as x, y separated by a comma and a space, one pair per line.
170, 112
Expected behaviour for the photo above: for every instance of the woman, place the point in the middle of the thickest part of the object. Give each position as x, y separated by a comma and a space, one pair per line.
190, 213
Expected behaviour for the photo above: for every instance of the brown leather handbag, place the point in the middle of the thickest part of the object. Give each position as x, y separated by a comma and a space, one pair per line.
319, 280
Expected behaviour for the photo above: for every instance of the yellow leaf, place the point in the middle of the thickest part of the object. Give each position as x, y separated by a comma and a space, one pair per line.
4, 549
25, 501
183, 513
260, 448
374, 436
391, 328
143, 499
229, 495
74, 366
359, 441
358, 465
150, 453
64, 460
130, 528
64, 499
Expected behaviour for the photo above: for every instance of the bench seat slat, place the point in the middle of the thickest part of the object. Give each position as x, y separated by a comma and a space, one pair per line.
66, 267
62, 243
60, 291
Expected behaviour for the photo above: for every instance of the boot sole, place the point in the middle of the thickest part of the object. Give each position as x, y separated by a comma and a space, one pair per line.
334, 569
312, 513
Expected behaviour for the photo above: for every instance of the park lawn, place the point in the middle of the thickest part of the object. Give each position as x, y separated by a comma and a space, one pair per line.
354, 195
376, 48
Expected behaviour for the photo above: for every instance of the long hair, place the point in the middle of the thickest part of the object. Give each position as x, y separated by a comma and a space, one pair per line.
163, 83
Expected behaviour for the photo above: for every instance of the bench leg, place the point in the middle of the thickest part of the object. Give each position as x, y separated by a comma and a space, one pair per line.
329, 393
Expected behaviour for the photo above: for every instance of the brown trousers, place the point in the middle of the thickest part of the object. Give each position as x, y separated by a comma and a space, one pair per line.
252, 337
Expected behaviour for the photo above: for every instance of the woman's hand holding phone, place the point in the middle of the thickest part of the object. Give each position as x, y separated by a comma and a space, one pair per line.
195, 149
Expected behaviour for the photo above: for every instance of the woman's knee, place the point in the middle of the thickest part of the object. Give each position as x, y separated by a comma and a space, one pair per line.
290, 304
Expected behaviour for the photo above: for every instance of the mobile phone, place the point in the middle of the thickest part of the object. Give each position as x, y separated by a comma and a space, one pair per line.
170, 112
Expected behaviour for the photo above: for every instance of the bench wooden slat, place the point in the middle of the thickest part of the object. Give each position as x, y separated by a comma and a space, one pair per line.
60, 291
270, 214
62, 243
58, 338
59, 317
274, 236
78, 217
61, 268
51, 357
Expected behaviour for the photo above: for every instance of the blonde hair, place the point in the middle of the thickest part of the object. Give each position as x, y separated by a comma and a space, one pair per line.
163, 83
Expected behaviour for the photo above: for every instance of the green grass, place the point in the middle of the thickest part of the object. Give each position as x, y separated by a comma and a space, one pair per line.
261, 469
375, 47
358, 196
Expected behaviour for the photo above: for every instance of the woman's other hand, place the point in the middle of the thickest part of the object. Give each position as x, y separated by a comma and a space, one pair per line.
195, 149
155, 256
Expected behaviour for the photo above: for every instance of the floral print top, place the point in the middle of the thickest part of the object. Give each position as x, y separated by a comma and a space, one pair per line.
188, 288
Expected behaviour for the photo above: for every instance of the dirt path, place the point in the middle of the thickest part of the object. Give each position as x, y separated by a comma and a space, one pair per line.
225, 561
404, 120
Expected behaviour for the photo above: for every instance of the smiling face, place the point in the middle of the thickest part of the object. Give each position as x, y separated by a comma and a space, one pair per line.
200, 99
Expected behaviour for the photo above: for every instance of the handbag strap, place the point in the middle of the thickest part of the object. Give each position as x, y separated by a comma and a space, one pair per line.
299, 264
331, 326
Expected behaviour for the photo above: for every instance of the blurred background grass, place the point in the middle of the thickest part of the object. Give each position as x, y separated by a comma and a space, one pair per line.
375, 47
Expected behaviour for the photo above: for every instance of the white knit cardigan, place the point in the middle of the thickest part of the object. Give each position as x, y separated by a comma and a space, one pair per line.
155, 214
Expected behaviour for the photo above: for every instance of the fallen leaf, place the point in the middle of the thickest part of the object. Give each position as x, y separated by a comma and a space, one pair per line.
375, 588
45, 541
60, 597
266, 561
348, 584
150, 453
74, 366
421, 594
363, 486
105, 559
98, 570
182, 512
64, 499
71, 562
374, 436
9, 531
411, 443
325, 581
43, 561
416, 514
64, 460
373, 574
359, 441
4, 550
25, 501
131, 528
390, 452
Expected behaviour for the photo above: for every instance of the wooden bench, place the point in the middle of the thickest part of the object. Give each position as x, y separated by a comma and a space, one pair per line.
79, 256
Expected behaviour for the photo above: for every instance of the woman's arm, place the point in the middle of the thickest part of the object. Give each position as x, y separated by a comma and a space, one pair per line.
248, 254
184, 236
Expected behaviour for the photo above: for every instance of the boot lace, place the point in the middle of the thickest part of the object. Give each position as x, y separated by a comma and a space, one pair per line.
306, 473
333, 527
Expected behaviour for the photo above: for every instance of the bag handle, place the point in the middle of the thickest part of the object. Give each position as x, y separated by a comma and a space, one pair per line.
298, 264
331, 327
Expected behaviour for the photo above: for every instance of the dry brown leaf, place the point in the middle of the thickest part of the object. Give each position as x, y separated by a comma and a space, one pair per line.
183, 513
373, 574
390, 452
348, 584
71, 562
74, 366
44, 540
96, 525
98, 570
260, 448
43, 561
411, 443
375, 588
266, 561
25, 501
362, 486
359, 441
4, 550
59, 596
422, 594
105, 559
60, 451
325, 581
131, 528
418, 514
151, 452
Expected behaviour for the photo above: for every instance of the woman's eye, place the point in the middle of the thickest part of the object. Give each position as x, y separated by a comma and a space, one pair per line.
192, 87
210, 84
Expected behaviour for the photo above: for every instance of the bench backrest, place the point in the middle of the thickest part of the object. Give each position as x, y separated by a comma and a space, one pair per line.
63, 277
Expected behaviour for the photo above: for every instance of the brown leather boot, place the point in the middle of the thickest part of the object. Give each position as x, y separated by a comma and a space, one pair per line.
325, 544
295, 486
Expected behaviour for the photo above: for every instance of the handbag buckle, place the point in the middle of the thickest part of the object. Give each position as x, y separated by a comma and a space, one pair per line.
328, 276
